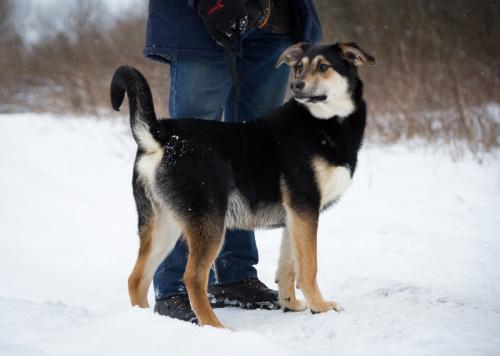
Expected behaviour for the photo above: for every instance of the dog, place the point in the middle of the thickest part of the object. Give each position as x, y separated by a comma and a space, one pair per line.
194, 179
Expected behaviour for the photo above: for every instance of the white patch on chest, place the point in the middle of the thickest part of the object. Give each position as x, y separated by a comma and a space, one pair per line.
147, 166
333, 181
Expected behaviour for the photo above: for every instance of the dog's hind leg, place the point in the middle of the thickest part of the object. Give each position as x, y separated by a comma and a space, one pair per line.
285, 276
205, 238
303, 228
158, 235
137, 288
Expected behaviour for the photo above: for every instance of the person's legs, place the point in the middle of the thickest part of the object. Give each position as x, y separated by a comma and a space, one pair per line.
199, 88
263, 89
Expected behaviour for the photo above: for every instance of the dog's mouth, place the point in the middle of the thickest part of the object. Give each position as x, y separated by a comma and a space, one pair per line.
310, 98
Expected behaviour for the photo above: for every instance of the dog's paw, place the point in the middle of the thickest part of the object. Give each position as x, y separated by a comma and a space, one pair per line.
295, 305
326, 306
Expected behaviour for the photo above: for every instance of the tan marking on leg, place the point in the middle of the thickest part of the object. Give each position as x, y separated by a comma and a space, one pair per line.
157, 238
137, 288
204, 243
285, 276
303, 228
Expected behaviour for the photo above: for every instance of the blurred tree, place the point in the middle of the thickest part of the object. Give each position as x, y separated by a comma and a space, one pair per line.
438, 63
11, 58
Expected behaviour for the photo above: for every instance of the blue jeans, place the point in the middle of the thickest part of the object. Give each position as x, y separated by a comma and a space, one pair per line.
201, 87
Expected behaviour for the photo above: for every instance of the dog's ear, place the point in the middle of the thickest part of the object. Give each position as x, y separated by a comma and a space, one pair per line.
293, 53
352, 53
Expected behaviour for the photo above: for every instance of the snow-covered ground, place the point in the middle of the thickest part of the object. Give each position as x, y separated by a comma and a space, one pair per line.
412, 252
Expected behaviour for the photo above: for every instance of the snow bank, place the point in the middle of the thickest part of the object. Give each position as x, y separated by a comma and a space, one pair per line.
412, 252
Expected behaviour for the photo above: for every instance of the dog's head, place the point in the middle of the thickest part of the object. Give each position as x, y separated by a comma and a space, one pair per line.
325, 76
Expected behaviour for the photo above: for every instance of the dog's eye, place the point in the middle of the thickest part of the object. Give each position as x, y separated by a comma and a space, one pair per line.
299, 67
323, 67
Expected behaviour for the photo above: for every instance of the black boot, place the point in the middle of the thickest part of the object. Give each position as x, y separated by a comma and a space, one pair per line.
177, 307
249, 293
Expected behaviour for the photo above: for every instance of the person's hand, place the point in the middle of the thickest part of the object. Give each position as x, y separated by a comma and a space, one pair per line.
225, 19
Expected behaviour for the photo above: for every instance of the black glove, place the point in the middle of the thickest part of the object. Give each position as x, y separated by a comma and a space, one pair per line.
225, 19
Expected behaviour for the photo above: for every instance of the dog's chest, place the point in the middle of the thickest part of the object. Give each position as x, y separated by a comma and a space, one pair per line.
332, 181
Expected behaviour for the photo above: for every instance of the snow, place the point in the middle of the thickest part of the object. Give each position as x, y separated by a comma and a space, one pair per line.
412, 252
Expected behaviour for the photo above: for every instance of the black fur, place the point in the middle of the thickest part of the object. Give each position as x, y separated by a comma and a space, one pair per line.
130, 80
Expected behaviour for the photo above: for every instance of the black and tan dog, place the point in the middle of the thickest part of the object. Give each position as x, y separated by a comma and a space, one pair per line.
197, 178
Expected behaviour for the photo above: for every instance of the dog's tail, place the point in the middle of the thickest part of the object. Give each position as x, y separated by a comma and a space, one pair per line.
145, 127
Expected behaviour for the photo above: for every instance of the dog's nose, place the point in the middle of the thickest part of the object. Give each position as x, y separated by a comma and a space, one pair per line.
297, 85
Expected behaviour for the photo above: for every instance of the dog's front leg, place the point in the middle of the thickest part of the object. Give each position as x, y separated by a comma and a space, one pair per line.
303, 228
285, 276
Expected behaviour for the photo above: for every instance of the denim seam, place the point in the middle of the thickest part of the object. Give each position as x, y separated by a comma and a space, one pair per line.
239, 65
173, 85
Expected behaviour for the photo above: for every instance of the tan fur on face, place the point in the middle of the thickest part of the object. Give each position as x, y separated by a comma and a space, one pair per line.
329, 83
302, 69
310, 73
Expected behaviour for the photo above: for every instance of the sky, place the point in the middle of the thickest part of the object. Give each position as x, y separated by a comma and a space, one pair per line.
112, 4
54, 14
